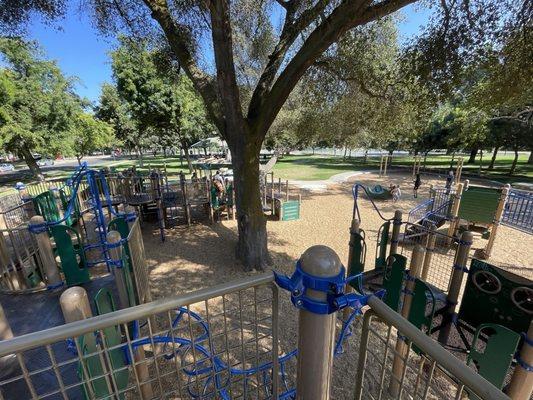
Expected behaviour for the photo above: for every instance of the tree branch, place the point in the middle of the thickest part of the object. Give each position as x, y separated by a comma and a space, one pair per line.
291, 29
347, 15
226, 78
179, 39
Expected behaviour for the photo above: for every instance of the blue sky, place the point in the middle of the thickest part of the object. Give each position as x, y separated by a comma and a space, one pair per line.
81, 51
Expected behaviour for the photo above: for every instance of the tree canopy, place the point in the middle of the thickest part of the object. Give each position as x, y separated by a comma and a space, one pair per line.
253, 63
39, 110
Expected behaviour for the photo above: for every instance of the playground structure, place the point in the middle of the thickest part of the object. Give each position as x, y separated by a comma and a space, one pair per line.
485, 315
384, 162
378, 192
277, 199
236, 358
468, 207
223, 342
417, 163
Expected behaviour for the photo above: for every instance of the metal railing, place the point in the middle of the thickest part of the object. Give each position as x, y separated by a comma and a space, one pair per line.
396, 360
518, 212
220, 342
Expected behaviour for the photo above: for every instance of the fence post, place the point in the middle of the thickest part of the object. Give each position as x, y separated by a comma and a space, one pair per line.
75, 304
521, 386
455, 210
115, 254
497, 221
402, 347
430, 247
395, 238
44, 244
316, 335
458, 272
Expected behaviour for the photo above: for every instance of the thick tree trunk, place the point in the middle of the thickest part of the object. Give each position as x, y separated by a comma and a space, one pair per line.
185, 148
30, 162
473, 154
252, 247
345, 151
79, 159
515, 161
493, 159
530, 159
365, 159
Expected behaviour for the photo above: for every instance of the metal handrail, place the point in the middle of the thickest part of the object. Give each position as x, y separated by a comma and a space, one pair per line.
466, 376
78, 328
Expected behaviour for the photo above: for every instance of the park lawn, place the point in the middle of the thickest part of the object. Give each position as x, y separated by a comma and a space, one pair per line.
307, 167
312, 168
316, 167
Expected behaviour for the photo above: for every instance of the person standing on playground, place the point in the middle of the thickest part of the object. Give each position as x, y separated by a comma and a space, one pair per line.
449, 181
417, 182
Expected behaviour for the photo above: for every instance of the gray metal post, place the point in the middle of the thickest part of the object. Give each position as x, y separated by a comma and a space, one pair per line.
456, 281
115, 253
53, 277
395, 238
316, 335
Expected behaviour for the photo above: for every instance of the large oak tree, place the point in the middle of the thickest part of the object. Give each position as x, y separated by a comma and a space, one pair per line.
278, 58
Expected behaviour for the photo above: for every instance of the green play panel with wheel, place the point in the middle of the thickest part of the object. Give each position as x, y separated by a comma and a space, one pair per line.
493, 295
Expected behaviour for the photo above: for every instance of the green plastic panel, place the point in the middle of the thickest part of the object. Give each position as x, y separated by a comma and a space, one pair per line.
104, 304
491, 296
382, 243
290, 210
493, 363
94, 368
422, 307
479, 204
73, 262
45, 205
393, 281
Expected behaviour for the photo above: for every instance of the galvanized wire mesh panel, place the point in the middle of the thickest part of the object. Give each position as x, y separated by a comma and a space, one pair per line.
215, 343
440, 252
391, 366
518, 212
16, 215
138, 261
9, 201
20, 262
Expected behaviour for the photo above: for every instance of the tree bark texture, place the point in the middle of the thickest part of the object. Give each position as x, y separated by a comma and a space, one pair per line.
252, 247
515, 161
530, 159
30, 162
493, 159
473, 154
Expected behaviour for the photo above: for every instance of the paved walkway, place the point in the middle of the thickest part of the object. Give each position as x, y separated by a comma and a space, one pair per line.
322, 185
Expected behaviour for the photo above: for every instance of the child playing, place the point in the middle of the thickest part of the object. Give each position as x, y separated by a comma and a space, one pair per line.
396, 192
417, 182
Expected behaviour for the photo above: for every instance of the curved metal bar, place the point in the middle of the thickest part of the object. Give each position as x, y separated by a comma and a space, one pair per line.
355, 193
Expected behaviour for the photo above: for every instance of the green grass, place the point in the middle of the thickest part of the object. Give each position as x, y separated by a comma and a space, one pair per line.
309, 167
323, 167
